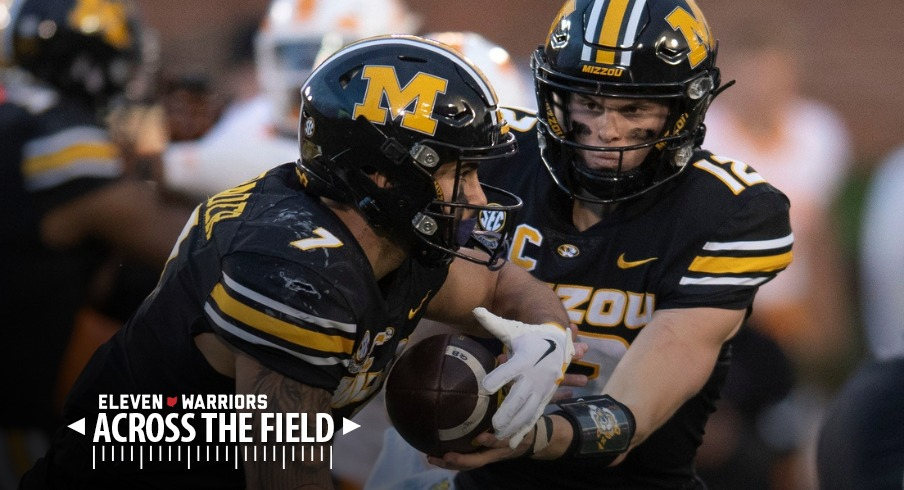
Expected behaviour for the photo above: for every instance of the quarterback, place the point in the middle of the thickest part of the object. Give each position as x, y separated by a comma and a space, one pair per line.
655, 246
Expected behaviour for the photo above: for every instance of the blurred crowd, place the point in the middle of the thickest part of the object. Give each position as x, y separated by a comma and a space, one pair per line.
104, 151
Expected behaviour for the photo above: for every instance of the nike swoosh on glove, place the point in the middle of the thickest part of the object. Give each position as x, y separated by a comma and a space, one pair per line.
539, 355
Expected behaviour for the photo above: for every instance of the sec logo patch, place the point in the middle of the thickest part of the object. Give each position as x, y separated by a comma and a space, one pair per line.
492, 220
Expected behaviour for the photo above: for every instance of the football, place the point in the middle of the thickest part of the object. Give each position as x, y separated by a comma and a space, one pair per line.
433, 394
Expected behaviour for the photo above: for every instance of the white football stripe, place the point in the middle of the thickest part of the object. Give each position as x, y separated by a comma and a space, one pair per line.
719, 281
592, 29
751, 245
249, 337
631, 31
483, 400
288, 310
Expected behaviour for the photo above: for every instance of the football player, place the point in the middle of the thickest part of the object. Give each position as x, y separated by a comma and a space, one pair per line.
861, 437
69, 206
655, 246
303, 283
260, 127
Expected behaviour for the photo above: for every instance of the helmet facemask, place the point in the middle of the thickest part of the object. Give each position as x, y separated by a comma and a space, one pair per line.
446, 224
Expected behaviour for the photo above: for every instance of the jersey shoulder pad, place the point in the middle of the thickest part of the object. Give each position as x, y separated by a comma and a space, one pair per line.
722, 176
745, 221
289, 316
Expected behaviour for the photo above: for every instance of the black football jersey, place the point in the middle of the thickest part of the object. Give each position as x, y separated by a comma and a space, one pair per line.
276, 274
49, 155
708, 239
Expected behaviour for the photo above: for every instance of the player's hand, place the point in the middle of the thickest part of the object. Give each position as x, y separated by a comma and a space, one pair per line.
494, 450
565, 390
539, 356
573, 380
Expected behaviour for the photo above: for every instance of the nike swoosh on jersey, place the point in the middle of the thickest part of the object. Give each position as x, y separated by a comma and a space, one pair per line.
413, 311
552, 348
627, 264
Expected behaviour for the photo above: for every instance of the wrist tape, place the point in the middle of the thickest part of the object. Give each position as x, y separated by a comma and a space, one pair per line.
602, 426
542, 435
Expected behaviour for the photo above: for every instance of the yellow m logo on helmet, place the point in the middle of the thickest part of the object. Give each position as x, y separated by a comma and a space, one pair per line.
103, 18
414, 102
695, 30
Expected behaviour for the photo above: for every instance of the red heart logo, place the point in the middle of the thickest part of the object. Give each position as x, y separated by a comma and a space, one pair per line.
171, 400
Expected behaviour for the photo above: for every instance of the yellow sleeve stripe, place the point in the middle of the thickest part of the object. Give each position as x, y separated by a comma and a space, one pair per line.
294, 334
740, 265
69, 155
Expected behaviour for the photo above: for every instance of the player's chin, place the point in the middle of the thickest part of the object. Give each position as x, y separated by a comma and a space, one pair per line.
601, 164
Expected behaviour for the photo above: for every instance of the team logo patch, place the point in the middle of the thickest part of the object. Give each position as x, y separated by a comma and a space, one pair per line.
492, 220
606, 425
568, 250
363, 348
413, 100
309, 127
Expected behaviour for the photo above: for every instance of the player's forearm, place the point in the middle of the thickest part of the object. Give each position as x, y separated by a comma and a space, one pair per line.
560, 441
668, 363
308, 468
519, 296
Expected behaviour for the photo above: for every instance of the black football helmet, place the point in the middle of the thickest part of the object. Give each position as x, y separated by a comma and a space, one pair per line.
402, 106
651, 49
84, 48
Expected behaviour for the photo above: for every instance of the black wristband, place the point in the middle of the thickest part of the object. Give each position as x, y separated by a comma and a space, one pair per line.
602, 426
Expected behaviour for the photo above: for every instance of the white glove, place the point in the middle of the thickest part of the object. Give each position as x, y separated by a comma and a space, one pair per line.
539, 355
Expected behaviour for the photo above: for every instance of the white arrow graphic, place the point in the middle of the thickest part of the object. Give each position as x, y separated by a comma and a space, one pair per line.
347, 425
78, 426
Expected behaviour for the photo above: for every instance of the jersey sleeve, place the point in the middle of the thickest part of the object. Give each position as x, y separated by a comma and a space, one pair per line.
285, 315
68, 162
746, 251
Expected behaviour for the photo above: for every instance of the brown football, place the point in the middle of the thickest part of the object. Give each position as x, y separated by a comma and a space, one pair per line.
433, 394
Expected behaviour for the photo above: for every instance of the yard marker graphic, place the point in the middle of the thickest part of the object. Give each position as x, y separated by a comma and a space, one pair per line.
78, 426
144, 429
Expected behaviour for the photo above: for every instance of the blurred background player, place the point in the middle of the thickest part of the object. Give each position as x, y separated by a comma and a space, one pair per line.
271, 59
260, 126
510, 79
192, 106
861, 439
803, 146
802, 321
64, 62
